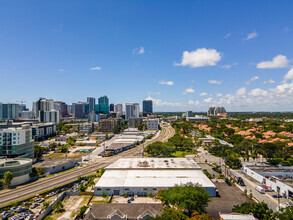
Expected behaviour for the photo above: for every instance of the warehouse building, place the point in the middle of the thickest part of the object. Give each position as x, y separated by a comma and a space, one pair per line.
139, 176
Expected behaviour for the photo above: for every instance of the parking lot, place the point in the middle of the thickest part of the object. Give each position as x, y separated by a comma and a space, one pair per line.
230, 196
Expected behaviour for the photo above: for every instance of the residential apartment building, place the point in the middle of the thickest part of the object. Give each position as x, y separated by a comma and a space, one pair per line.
17, 142
119, 109
92, 102
131, 110
133, 122
108, 124
43, 131
9, 111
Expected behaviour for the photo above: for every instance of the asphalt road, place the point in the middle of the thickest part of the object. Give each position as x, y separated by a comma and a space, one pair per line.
28, 190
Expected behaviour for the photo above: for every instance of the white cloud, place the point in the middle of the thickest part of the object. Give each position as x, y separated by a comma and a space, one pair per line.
199, 58
61, 70
96, 68
191, 102
159, 102
258, 92
203, 94
139, 50
169, 83
226, 66
289, 75
279, 61
215, 82
227, 35
251, 80
241, 92
208, 100
251, 35
219, 94
155, 93
270, 81
188, 90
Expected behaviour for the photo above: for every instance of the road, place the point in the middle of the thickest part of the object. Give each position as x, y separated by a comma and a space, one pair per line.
25, 191
204, 155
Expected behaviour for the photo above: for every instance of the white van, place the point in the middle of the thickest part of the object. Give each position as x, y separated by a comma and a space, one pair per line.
260, 189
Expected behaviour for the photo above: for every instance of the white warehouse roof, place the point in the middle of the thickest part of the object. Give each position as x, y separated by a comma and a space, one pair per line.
154, 163
152, 178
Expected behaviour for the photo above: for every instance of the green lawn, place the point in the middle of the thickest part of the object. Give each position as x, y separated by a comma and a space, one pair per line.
181, 153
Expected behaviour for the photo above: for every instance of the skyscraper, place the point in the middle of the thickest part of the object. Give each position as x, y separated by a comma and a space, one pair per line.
103, 100
131, 110
119, 109
147, 107
9, 111
42, 105
112, 107
91, 101
79, 109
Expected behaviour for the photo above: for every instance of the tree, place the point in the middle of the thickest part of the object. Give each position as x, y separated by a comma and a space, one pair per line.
259, 210
159, 149
188, 197
1, 183
285, 213
7, 178
46, 204
171, 213
82, 188
58, 206
233, 162
38, 151
101, 171
82, 210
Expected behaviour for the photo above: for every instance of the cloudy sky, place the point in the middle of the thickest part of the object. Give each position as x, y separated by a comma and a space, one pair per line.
181, 54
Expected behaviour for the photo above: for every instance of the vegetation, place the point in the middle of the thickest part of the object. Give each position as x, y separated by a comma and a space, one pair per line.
189, 198
81, 212
101, 171
39, 151
7, 178
37, 171
58, 206
46, 204
259, 210
285, 213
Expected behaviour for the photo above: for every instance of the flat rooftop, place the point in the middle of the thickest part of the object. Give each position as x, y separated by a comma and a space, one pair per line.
54, 162
268, 168
152, 178
14, 161
153, 164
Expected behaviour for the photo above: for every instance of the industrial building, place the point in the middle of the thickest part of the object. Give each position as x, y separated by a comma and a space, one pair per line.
143, 175
197, 118
278, 177
19, 167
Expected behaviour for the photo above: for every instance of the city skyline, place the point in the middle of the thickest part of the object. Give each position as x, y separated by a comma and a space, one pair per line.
189, 55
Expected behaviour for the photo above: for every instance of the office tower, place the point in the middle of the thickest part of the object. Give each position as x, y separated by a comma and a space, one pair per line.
69, 109
42, 105
131, 110
92, 102
17, 142
79, 109
62, 107
211, 111
112, 108
119, 109
147, 107
103, 100
9, 111
188, 113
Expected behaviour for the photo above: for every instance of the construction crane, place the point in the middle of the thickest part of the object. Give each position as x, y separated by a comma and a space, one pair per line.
21, 101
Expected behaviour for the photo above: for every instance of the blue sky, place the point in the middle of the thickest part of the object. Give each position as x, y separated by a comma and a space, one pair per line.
182, 54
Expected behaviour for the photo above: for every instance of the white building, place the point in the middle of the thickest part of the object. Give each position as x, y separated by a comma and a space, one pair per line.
197, 118
131, 110
119, 109
153, 124
143, 175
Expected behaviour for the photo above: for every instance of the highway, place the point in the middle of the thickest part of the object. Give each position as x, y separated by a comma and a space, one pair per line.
28, 190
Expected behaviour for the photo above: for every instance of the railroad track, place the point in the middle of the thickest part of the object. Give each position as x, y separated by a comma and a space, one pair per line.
28, 190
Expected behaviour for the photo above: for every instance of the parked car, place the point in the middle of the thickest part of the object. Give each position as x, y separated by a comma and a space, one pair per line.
267, 188
26, 203
128, 201
34, 205
288, 204
260, 189
39, 200
227, 182
276, 196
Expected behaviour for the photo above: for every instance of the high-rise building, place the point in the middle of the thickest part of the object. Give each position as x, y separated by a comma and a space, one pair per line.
17, 142
131, 110
104, 100
42, 105
119, 109
79, 109
211, 111
62, 108
50, 116
147, 107
92, 102
188, 113
9, 111
112, 108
